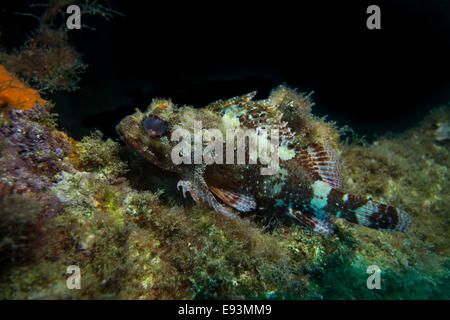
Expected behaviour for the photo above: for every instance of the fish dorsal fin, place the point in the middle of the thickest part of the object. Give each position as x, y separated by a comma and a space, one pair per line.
235, 198
236, 102
251, 114
259, 114
321, 159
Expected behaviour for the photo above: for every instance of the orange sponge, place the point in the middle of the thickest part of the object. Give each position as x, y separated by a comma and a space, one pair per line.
16, 94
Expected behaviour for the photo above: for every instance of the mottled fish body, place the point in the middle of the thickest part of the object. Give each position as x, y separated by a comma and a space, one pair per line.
306, 185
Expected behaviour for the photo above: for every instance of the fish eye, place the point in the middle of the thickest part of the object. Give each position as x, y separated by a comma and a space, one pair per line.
154, 126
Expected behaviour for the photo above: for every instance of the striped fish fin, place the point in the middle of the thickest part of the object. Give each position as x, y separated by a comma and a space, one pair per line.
199, 191
321, 160
324, 227
237, 199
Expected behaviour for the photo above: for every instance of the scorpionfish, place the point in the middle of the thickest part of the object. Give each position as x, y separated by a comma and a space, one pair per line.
307, 185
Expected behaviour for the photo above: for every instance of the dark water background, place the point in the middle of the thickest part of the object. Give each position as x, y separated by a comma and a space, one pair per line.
373, 80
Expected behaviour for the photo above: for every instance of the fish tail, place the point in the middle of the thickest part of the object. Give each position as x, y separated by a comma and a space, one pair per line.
369, 213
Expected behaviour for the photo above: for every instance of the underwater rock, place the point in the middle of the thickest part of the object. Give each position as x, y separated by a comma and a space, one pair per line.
31, 153
18, 215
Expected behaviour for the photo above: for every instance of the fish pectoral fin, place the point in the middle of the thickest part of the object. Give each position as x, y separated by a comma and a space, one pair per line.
237, 199
186, 186
213, 203
321, 226
321, 160
200, 192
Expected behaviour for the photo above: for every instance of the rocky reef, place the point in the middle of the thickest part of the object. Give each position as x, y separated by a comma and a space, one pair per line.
97, 204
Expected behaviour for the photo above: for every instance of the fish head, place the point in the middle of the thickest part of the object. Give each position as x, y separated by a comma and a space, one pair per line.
149, 132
